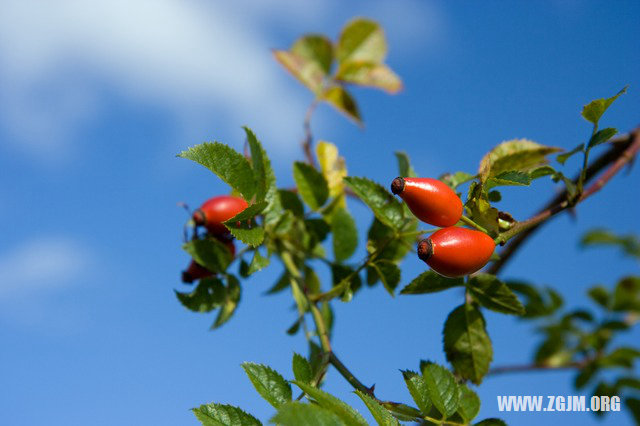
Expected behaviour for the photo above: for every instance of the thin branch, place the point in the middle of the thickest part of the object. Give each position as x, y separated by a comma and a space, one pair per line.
621, 152
307, 142
348, 375
524, 368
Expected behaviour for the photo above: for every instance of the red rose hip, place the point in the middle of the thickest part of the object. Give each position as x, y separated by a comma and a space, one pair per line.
430, 200
216, 210
195, 272
456, 252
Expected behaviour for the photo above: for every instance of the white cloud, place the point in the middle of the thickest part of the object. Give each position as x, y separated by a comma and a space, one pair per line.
40, 266
195, 59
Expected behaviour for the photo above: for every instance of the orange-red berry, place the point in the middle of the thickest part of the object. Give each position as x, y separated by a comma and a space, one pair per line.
455, 252
216, 210
430, 200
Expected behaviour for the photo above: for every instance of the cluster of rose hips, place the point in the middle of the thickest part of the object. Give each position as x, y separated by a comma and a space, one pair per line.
211, 216
451, 251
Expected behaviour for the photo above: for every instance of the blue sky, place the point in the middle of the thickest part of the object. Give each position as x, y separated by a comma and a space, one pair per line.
98, 97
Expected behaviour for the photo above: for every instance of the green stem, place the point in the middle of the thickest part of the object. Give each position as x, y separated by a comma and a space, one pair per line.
339, 288
315, 312
585, 163
471, 223
348, 375
443, 422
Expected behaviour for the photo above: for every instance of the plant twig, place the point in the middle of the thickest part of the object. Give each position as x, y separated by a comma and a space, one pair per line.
524, 368
307, 142
348, 375
621, 152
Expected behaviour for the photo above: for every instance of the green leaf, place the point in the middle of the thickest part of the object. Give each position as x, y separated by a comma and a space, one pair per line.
494, 196
244, 227
541, 171
227, 164
430, 282
510, 178
494, 294
361, 40
491, 422
318, 228
316, 357
283, 226
370, 74
404, 165
626, 296
257, 263
628, 382
282, 283
402, 412
518, 154
346, 413
443, 389
469, 403
265, 178
602, 136
620, 357
210, 253
269, 383
301, 369
629, 244
382, 416
312, 186
309, 60
466, 343
345, 234
231, 299
480, 209
418, 389
389, 274
339, 98
316, 48
383, 204
383, 240
586, 374
307, 72
291, 201
538, 303
456, 179
562, 158
570, 186
299, 414
633, 404
594, 109
260, 162
224, 415
208, 295
345, 280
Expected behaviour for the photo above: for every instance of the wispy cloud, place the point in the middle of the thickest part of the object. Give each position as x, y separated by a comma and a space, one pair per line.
40, 266
195, 59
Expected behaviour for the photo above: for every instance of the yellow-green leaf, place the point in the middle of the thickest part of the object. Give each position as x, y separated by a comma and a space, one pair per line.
306, 71
333, 169
518, 154
370, 74
317, 49
342, 100
361, 40
594, 109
